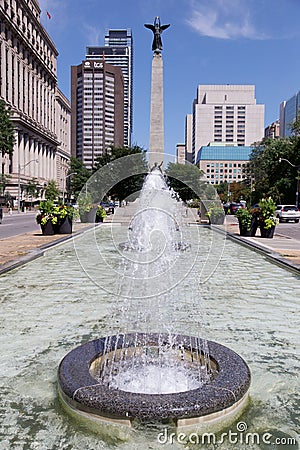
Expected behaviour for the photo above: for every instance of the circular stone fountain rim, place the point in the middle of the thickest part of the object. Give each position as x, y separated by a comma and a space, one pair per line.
81, 391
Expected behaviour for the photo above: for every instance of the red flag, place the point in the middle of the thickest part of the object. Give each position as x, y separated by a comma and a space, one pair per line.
48, 14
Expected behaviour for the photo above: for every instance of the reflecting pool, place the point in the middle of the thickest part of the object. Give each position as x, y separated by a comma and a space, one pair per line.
67, 297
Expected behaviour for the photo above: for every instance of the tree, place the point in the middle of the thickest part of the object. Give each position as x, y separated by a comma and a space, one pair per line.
80, 176
52, 191
4, 180
124, 186
7, 135
32, 188
186, 180
267, 176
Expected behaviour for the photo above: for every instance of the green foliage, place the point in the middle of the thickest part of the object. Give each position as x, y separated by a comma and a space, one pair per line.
267, 208
80, 176
101, 212
267, 176
244, 217
55, 213
237, 190
84, 203
7, 135
51, 191
4, 180
186, 180
124, 186
32, 188
48, 211
215, 213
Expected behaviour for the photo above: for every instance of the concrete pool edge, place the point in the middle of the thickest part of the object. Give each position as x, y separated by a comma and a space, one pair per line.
223, 396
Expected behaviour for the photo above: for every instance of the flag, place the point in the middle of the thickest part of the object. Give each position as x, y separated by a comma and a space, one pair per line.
48, 14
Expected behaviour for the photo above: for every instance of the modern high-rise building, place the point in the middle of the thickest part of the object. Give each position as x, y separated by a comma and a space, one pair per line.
189, 138
289, 112
227, 114
118, 51
40, 112
97, 104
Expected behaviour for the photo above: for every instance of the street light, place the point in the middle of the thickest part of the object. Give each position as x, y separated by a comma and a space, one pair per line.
19, 180
298, 176
64, 184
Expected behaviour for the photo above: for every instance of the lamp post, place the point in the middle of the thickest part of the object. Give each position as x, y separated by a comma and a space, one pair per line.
19, 179
298, 176
64, 184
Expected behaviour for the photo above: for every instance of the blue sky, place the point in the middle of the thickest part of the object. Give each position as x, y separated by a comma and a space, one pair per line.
209, 42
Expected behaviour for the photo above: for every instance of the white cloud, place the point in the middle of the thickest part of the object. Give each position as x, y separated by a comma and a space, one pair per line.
223, 19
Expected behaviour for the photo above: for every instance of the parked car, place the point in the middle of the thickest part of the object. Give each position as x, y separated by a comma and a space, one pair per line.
234, 206
109, 207
287, 212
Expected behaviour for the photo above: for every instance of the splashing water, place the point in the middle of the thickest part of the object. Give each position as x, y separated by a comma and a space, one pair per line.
146, 303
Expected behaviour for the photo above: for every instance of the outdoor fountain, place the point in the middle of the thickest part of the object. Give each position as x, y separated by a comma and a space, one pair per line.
147, 370
51, 305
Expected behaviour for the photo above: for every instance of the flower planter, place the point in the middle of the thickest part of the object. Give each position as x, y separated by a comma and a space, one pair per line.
267, 232
254, 226
48, 229
244, 231
65, 226
88, 217
216, 220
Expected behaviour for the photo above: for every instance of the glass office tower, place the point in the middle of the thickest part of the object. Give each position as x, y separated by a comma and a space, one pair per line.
118, 51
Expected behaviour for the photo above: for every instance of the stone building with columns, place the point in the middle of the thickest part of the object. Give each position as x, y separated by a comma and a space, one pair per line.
40, 111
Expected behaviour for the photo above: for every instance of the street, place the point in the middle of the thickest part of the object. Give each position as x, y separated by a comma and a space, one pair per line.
18, 223
15, 224
289, 229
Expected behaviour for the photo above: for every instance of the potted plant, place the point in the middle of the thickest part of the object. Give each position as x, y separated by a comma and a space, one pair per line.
47, 217
100, 214
267, 218
65, 214
255, 214
215, 214
244, 217
86, 210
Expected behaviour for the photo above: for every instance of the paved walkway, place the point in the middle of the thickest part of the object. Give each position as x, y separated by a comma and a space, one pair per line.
17, 250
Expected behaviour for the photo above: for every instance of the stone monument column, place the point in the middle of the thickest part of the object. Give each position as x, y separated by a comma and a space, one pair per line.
156, 147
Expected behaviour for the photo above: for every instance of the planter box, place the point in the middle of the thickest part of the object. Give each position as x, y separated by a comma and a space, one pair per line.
48, 229
267, 232
217, 220
254, 226
245, 232
65, 226
88, 217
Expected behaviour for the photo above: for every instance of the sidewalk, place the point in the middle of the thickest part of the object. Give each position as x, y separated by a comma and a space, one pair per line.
17, 250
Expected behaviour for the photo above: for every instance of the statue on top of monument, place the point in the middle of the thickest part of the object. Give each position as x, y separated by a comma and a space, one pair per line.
157, 29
